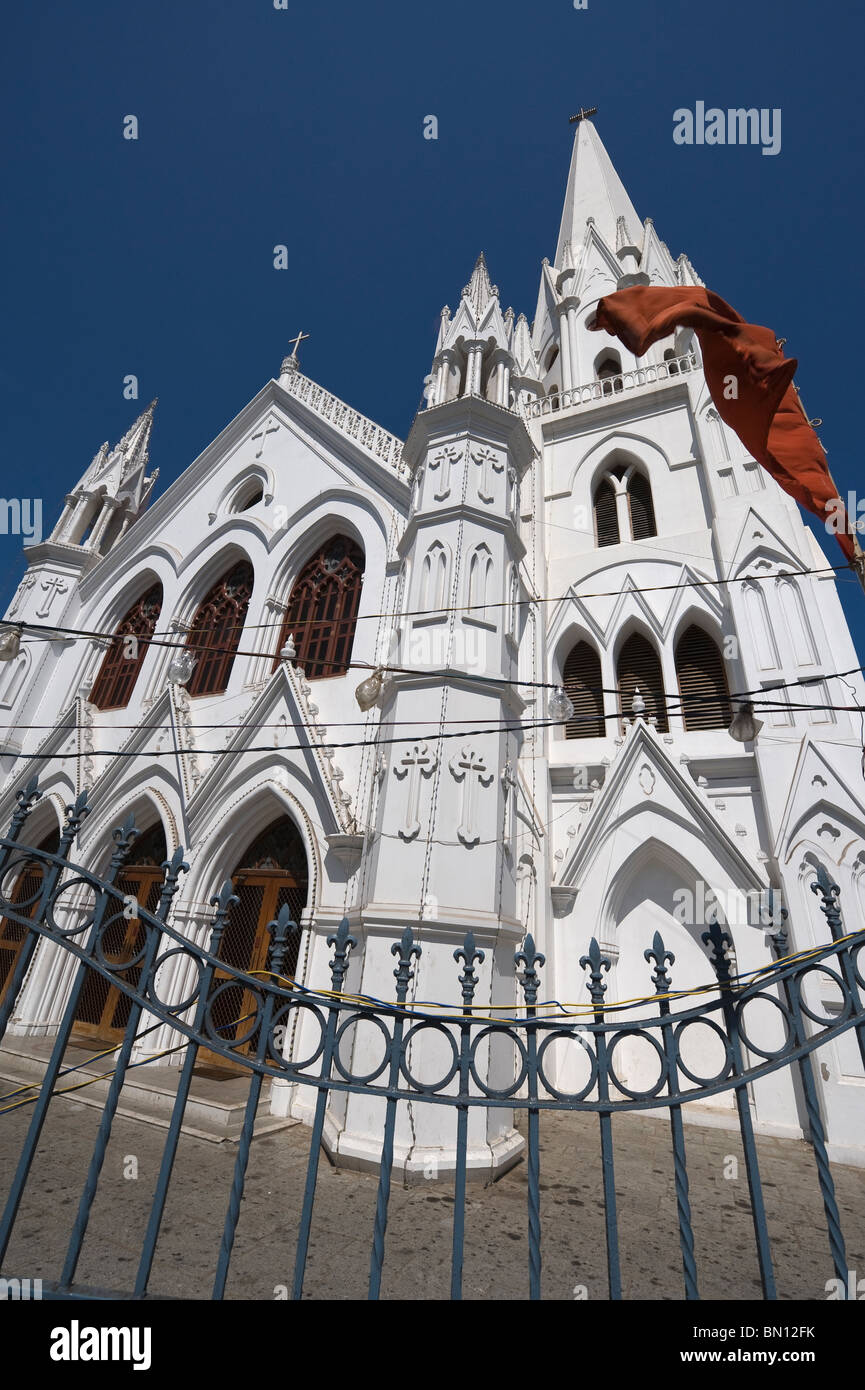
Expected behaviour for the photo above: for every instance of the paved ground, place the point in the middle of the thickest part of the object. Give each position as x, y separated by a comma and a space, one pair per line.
417, 1262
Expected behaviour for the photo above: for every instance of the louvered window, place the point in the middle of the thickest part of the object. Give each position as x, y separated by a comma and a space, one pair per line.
606, 515
582, 681
322, 610
702, 681
642, 510
215, 634
123, 661
639, 668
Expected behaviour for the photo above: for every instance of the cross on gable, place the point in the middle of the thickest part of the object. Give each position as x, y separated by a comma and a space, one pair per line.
295, 342
270, 427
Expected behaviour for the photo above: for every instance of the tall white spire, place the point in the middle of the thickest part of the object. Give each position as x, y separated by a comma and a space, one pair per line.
594, 190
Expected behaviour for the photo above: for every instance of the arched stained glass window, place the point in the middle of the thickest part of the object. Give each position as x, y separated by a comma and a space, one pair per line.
122, 662
323, 607
217, 628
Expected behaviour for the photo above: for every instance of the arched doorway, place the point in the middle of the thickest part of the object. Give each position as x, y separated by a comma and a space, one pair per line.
13, 934
103, 1009
271, 873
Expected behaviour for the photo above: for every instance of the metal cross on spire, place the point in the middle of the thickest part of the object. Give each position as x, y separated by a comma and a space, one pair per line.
295, 342
582, 114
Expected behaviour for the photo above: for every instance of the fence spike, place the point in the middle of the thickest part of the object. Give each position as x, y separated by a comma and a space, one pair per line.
658, 953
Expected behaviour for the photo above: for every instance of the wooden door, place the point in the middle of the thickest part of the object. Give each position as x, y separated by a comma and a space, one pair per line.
103, 1009
245, 946
13, 934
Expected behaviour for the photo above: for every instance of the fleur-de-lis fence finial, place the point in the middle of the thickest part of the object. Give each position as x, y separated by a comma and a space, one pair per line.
828, 892
280, 929
404, 950
75, 814
597, 965
342, 942
26, 798
721, 943
530, 958
658, 953
468, 953
124, 837
223, 901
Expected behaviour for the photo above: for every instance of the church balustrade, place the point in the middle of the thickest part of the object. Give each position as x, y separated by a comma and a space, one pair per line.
636, 378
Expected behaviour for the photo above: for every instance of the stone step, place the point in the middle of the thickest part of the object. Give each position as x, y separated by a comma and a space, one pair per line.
214, 1109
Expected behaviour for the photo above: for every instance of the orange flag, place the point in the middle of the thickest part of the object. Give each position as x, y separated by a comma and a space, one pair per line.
750, 382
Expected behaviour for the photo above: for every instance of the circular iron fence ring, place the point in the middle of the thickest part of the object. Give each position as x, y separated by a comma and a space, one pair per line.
403, 1061
501, 1030
150, 984
828, 1021
283, 1014
571, 1035
89, 917
788, 1042
19, 868
619, 1084
728, 1052
217, 1033
117, 966
361, 1015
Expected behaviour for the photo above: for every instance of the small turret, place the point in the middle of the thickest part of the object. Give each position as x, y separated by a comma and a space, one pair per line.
113, 492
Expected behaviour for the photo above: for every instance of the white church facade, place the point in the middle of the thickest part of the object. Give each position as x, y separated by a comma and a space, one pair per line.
561, 514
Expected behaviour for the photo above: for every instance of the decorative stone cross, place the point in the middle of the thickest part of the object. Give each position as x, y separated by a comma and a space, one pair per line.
416, 763
444, 459
52, 585
270, 427
582, 115
295, 342
487, 459
23, 589
469, 768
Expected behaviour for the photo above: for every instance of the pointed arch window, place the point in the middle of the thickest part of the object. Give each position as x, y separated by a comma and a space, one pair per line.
639, 668
480, 567
217, 628
581, 678
122, 662
323, 607
702, 681
640, 515
433, 581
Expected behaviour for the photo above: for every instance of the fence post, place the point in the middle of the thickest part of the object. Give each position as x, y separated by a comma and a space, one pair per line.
468, 953
279, 930
223, 904
816, 1132
829, 894
663, 984
595, 963
530, 981
405, 951
342, 942
719, 941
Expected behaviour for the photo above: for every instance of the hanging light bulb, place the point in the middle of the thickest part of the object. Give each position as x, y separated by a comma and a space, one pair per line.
560, 708
744, 728
10, 643
289, 651
182, 667
369, 690
638, 704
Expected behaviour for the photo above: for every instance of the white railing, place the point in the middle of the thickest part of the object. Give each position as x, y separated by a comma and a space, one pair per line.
607, 388
377, 441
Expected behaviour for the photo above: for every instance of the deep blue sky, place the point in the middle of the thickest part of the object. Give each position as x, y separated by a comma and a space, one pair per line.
261, 126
